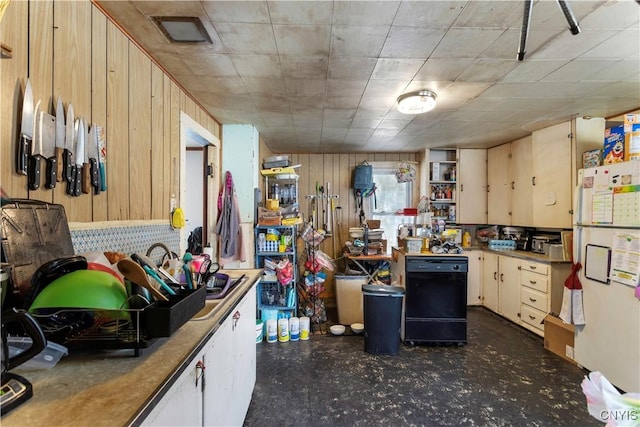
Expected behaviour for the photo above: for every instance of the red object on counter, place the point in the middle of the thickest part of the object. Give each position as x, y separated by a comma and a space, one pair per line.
410, 211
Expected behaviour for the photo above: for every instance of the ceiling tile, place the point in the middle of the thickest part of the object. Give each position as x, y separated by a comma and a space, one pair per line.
235, 11
170, 8
342, 101
567, 46
306, 87
364, 12
257, 65
619, 71
308, 40
466, 42
342, 67
301, 12
428, 14
346, 88
299, 67
357, 40
265, 85
443, 68
496, 14
247, 38
231, 85
411, 42
625, 44
577, 70
211, 65
487, 70
396, 69
613, 15
532, 70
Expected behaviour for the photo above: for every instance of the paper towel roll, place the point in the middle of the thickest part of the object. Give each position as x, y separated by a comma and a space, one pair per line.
208, 250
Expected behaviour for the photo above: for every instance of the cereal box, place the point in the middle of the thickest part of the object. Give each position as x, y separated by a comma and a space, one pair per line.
613, 151
591, 158
632, 136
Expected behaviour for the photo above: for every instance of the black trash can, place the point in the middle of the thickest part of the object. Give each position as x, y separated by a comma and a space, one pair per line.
382, 317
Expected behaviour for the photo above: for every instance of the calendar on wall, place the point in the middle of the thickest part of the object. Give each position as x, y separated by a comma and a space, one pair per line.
626, 205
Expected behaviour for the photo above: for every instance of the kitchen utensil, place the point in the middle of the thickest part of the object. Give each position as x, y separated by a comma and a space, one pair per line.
85, 176
52, 270
134, 272
215, 294
78, 156
59, 141
93, 159
33, 167
26, 130
15, 388
157, 278
357, 328
337, 329
69, 146
102, 157
48, 135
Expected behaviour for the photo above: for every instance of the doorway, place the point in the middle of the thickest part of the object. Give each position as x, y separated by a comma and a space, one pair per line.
199, 180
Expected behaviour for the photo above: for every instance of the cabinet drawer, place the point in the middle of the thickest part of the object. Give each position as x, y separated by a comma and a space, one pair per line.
535, 281
533, 298
535, 267
532, 316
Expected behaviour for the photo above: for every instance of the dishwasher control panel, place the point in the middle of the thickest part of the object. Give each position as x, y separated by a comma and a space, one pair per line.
440, 264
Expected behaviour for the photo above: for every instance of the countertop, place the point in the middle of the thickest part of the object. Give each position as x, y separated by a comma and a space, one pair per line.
113, 387
527, 255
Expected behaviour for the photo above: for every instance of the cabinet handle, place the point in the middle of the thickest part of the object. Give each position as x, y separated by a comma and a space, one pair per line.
461, 187
495, 275
502, 277
236, 317
488, 188
532, 317
532, 299
533, 267
200, 373
533, 282
533, 180
513, 185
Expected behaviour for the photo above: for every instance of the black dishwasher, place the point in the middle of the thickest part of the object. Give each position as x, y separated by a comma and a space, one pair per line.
435, 310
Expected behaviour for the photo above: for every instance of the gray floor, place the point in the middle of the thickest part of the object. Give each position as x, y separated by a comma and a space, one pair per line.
502, 377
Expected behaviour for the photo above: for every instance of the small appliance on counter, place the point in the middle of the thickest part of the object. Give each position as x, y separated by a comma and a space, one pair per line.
520, 235
15, 388
539, 240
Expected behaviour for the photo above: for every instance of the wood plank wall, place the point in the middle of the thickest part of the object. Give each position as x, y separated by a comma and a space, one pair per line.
77, 53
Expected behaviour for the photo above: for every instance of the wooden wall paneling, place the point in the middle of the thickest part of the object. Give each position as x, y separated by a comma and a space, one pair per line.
117, 134
40, 74
99, 94
303, 183
13, 77
72, 80
157, 143
166, 146
346, 197
139, 134
176, 94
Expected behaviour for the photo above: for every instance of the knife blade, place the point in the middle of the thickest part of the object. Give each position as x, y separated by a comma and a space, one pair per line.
93, 159
26, 130
69, 145
102, 157
48, 134
60, 141
86, 167
33, 168
79, 156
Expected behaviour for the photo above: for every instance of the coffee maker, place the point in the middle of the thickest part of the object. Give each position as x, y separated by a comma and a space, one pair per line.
15, 388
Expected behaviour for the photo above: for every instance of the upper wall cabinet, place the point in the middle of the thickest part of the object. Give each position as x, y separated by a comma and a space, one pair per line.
521, 186
552, 176
498, 193
472, 186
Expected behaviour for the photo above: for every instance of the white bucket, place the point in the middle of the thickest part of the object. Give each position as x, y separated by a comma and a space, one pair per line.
272, 330
283, 329
259, 327
294, 328
305, 324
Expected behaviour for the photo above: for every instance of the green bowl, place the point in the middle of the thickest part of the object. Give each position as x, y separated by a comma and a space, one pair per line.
82, 289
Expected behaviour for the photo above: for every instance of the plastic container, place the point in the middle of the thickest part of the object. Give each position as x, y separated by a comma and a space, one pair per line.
46, 359
259, 330
305, 328
294, 329
382, 317
283, 329
272, 330
349, 298
413, 245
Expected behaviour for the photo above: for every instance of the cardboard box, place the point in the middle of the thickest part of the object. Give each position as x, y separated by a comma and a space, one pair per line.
559, 337
267, 217
591, 158
614, 146
632, 136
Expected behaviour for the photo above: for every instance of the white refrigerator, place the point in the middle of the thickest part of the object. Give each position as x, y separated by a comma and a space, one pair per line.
606, 240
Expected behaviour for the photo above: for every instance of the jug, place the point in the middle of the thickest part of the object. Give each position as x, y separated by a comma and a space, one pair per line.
16, 389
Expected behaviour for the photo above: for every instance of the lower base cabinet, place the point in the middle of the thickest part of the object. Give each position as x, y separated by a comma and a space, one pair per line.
216, 388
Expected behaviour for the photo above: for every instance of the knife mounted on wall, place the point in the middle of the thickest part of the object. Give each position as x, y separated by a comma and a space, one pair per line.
26, 130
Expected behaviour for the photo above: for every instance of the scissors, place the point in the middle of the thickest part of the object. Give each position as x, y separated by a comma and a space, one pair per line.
207, 269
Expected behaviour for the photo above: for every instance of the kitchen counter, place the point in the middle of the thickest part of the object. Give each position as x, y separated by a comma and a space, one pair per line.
112, 387
531, 256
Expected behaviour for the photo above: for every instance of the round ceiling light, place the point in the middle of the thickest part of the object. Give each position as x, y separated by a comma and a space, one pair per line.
417, 102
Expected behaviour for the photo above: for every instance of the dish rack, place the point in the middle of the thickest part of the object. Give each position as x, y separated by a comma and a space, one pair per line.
134, 329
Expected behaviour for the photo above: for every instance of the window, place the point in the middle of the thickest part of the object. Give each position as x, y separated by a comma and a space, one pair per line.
391, 197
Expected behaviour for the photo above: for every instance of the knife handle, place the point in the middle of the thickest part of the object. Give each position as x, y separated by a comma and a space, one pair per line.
103, 176
68, 166
86, 178
71, 183
60, 164
22, 159
51, 173
95, 175
77, 180
34, 171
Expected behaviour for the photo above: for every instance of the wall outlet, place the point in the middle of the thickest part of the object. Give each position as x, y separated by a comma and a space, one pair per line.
569, 352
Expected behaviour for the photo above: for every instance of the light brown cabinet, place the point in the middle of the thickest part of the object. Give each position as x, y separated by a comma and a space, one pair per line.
490, 281
472, 186
498, 182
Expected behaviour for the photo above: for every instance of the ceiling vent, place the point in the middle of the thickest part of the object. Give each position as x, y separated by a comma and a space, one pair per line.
182, 29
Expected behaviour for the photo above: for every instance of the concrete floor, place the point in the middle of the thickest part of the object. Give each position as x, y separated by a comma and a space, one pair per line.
502, 377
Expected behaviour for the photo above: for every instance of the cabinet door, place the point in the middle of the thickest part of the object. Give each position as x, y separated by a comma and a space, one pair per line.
499, 195
243, 342
490, 281
521, 186
474, 278
182, 404
218, 397
509, 293
552, 189
472, 188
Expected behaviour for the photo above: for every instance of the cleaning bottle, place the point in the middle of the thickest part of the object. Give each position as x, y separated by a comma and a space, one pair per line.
466, 239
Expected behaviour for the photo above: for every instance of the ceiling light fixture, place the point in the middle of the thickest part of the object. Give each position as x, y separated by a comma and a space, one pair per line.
182, 29
417, 102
